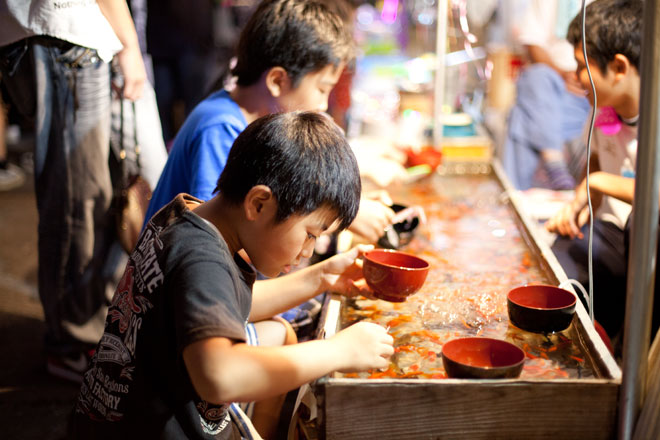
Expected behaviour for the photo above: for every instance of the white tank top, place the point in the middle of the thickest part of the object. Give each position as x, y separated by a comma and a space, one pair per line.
76, 21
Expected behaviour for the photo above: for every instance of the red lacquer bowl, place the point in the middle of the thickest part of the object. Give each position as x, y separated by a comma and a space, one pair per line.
541, 308
394, 275
482, 358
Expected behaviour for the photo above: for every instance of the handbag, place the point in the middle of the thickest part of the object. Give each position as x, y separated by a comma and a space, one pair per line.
132, 192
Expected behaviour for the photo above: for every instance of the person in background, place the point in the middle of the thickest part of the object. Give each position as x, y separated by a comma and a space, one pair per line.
289, 57
180, 38
550, 108
173, 356
339, 100
55, 64
613, 45
11, 176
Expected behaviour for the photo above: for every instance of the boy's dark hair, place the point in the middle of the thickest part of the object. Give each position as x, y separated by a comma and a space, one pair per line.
303, 157
301, 36
613, 26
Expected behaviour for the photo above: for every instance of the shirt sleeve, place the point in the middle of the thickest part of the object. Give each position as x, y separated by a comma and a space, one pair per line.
212, 149
206, 301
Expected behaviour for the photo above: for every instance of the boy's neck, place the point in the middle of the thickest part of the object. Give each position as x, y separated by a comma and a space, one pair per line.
252, 100
628, 106
225, 217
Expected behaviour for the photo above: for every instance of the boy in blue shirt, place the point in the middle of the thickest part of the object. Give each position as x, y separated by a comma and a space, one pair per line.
173, 356
289, 57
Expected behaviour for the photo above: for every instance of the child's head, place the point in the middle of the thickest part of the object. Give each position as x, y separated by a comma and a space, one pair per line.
305, 39
613, 36
305, 160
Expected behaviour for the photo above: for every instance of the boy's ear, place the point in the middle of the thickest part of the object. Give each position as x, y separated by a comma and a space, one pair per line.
258, 201
620, 65
277, 81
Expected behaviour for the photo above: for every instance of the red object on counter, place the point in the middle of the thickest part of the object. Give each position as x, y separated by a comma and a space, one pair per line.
393, 275
482, 358
426, 156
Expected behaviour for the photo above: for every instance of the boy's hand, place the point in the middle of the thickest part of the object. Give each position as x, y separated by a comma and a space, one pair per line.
343, 273
569, 220
363, 346
372, 219
572, 216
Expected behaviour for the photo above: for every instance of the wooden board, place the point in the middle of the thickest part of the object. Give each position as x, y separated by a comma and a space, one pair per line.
462, 409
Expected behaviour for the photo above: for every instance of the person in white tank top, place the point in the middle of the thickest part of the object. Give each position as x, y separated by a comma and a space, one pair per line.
56, 56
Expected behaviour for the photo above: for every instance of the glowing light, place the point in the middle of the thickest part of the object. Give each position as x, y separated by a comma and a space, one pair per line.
390, 9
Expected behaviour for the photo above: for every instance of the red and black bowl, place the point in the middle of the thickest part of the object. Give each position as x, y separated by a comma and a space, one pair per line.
541, 308
401, 233
394, 275
482, 358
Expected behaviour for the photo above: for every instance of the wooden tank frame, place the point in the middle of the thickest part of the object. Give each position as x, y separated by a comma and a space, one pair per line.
475, 409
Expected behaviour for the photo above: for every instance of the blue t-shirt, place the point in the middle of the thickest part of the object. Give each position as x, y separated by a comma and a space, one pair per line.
199, 152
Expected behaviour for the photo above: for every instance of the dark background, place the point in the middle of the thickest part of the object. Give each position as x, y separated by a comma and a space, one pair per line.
33, 405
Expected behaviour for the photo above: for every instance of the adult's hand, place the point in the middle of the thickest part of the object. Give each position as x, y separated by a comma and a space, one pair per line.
129, 58
132, 68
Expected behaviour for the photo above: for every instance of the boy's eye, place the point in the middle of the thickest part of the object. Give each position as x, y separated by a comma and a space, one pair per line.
311, 236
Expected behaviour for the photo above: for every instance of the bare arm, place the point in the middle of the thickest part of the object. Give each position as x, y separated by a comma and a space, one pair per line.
619, 187
539, 55
130, 58
221, 371
338, 274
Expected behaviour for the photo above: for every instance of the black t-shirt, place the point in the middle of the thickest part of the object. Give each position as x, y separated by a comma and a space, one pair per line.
181, 285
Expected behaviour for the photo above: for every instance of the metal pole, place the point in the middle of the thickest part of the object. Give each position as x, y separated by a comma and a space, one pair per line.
644, 232
439, 85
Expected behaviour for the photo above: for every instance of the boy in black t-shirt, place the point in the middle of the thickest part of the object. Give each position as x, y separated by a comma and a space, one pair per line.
173, 355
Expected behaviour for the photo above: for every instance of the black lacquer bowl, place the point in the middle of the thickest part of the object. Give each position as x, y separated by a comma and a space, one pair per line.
541, 308
482, 358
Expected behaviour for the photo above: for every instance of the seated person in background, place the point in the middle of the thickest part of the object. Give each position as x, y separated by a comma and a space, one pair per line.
289, 57
550, 108
173, 356
613, 42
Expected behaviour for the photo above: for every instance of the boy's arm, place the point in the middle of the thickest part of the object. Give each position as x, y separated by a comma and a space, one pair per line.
130, 58
572, 216
338, 274
619, 187
223, 372
568, 220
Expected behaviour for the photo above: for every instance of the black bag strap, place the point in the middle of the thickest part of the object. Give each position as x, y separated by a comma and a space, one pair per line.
122, 148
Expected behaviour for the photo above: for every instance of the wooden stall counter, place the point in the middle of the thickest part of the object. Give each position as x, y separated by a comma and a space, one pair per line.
479, 246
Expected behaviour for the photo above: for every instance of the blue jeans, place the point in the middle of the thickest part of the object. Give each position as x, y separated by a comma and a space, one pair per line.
544, 116
66, 88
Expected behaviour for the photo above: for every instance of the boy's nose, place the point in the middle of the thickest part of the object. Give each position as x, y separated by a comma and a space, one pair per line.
307, 250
